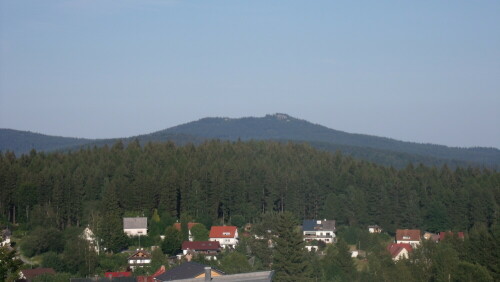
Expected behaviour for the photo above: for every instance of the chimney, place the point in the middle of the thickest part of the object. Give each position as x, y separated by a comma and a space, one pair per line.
208, 273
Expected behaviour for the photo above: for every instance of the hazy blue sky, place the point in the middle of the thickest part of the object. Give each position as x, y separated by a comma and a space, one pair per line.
423, 71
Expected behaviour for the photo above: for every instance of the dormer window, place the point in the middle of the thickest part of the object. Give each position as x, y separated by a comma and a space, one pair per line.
406, 237
226, 233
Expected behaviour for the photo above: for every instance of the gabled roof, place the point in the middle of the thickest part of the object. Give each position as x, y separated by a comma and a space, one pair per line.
185, 271
177, 225
32, 273
223, 232
201, 245
407, 235
135, 223
395, 249
318, 225
140, 254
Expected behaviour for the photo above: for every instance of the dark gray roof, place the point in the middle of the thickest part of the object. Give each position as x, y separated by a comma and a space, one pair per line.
260, 276
184, 271
6, 233
312, 225
104, 279
135, 222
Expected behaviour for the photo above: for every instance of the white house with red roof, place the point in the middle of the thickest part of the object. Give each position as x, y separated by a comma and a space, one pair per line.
408, 236
399, 251
227, 236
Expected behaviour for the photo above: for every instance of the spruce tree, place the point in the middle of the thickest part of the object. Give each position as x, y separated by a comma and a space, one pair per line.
290, 262
111, 225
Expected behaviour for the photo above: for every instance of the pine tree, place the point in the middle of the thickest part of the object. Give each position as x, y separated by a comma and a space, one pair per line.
111, 225
290, 262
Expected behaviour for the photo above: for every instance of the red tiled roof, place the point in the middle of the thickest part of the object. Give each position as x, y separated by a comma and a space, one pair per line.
177, 225
140, 254
443, 235
201, 245
407, 235
32, 273
395, 249
117, 274
223, 232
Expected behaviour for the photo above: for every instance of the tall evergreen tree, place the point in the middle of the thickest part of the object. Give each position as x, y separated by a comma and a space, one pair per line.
290, 262
111, 225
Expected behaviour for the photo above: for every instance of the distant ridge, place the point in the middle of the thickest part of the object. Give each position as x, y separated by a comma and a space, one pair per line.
24, 141
278, 127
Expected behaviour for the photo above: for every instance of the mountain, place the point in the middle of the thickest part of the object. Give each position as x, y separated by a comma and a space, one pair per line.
285, 127
21, 142
277, 127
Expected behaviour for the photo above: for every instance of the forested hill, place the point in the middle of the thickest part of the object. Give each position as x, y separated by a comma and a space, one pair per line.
21, 142
277, 127
284, 127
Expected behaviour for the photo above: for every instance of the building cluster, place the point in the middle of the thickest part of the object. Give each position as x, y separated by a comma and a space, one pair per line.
409, 239
315, 232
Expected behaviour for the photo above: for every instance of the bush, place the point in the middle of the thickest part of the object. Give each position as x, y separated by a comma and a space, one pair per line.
42, 241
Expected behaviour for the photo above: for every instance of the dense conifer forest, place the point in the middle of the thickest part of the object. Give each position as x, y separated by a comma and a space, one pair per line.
218, 181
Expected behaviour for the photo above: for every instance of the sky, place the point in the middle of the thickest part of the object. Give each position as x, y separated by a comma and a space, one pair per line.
420, 71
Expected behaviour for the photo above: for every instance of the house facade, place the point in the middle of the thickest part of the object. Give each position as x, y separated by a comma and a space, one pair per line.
227, 236
5, 237
399, 251
209, 249
408, 236
135, 226
140, 258
374, 229
319, 230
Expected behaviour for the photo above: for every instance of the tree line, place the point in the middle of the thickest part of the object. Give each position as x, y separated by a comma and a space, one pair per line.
221, 182
218, 180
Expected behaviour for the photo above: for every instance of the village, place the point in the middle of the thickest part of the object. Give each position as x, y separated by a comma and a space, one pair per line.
199, 259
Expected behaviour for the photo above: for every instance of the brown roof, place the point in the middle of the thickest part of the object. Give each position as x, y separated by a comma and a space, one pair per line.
140, 254
223, 232
443, 235
32, 273
395, 249
177, 225
201, 245
407, 235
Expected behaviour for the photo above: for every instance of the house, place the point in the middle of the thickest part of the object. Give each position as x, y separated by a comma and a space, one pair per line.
431, 236
319, 230
89, 236
443, 235
30, 274
177, 226
135, 226
5, 237
408, 236
139, 259
209, 249
374, 229
227, 236
188, 270
399, 251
